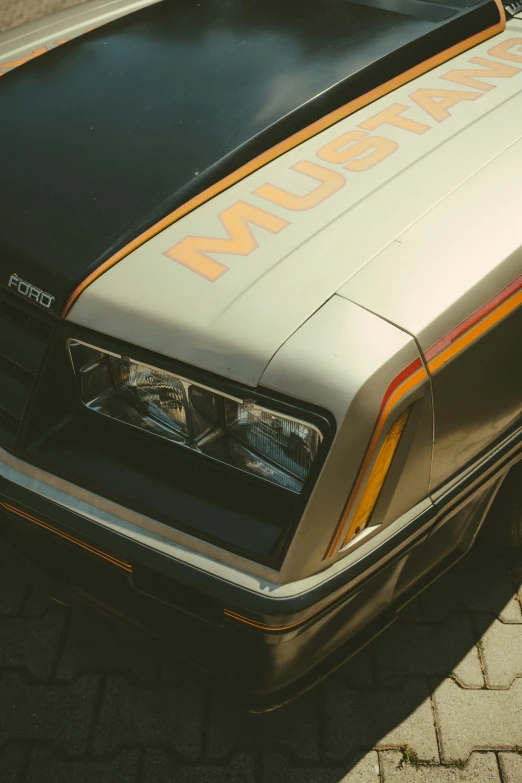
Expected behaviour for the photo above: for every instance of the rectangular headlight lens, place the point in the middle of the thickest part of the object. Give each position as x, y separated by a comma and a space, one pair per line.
158, 397
252, 438
283, 441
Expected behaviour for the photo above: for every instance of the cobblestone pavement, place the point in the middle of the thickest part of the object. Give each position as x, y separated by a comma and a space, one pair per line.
434, 699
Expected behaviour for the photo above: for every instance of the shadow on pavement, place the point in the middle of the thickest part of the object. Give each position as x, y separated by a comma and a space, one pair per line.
80, 701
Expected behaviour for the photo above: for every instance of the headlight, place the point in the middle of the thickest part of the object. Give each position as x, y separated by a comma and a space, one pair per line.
241, 433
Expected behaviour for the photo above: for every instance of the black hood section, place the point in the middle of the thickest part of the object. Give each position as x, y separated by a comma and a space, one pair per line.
105, 135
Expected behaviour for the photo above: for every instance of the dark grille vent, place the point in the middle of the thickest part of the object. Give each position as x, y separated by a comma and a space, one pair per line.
23, 341
512, 8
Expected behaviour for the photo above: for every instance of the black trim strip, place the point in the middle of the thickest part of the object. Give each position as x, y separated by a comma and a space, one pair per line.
209, 73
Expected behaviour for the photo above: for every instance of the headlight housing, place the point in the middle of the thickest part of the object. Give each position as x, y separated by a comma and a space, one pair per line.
239, 432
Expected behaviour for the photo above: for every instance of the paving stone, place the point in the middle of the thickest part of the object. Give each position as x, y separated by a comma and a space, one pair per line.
358, 671
511, 766
516, 576
292, 728
45, 767
31, 644
473, 587
162, 768
430, 650
361, 720
170, 672
14, 584
12, 760
91, 645
47, 711
277, 769
481, 768
477, 719
501, 646
154, 715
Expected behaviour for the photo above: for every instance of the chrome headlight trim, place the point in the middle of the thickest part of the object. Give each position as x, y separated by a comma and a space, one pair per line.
267, 469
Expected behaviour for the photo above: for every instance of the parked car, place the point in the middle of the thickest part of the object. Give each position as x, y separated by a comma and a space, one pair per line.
260, 316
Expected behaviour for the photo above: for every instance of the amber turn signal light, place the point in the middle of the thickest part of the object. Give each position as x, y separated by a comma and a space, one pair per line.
377, 477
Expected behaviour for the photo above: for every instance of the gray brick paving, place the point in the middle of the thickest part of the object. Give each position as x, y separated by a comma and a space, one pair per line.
79, 702
92, 646
425, 650
294, 727
501, 648
46, 766
277, 769
481, 768
31, 643
170, 715
14, 586
12, 762
511, 767
360, 720
170, 672
160, 767
48, 711
471, 719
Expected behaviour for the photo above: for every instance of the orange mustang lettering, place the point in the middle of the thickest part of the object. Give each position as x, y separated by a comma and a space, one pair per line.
393, 116
439, 102
338, 151
192, 251
330, 182
355, 150
502, 50
473, 78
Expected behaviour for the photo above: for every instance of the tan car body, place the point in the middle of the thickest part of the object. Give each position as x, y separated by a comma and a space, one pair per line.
348, 258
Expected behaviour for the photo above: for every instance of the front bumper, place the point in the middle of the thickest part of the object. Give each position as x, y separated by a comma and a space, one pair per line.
262, 649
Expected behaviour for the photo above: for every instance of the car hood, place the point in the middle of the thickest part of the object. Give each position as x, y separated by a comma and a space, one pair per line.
225, 286
115, 130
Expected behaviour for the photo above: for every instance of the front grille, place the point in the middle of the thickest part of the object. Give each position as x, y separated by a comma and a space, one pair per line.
23, 341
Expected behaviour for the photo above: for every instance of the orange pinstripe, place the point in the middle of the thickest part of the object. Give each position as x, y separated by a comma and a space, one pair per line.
288, 144
475, 330
120, 563
266, 627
